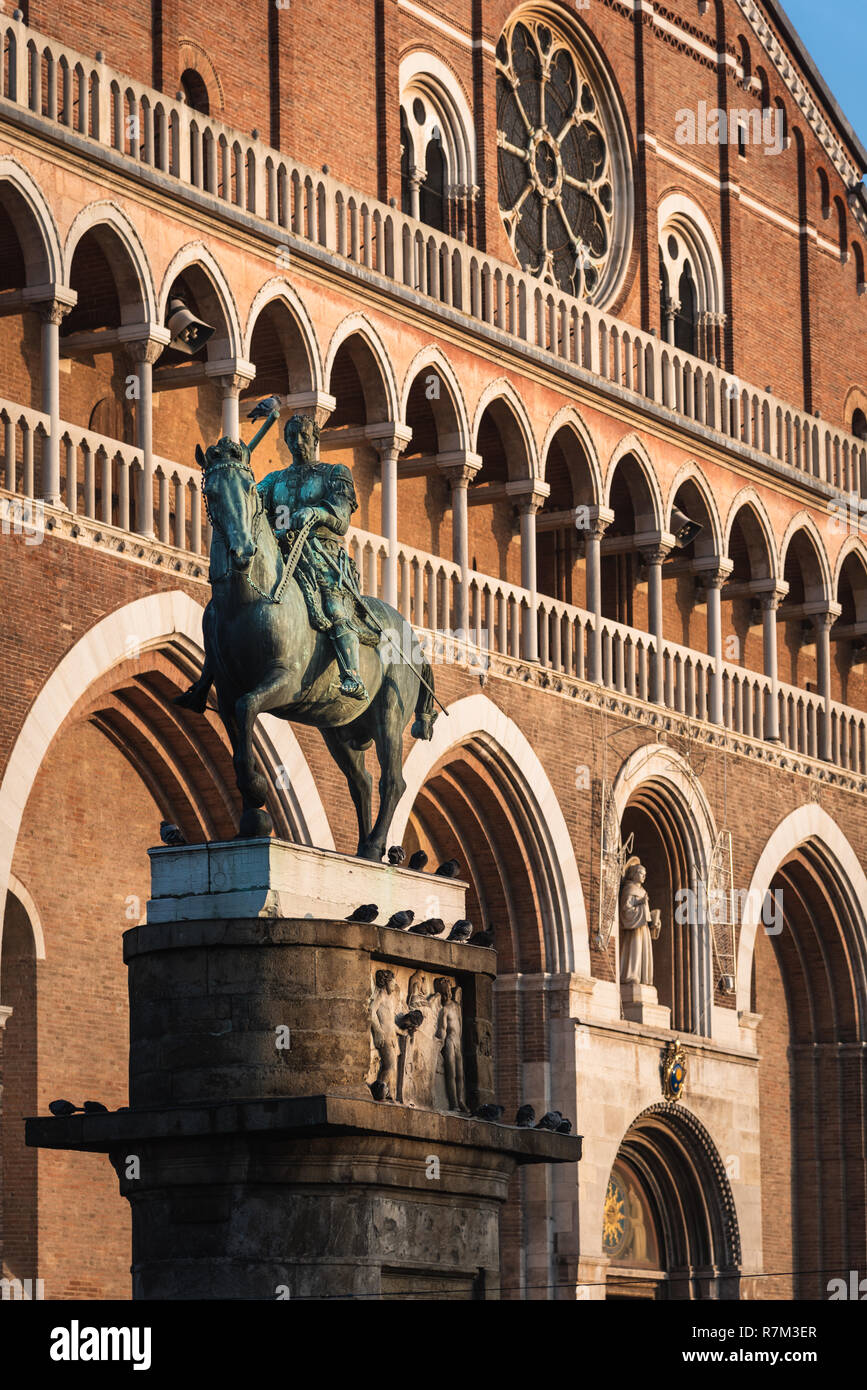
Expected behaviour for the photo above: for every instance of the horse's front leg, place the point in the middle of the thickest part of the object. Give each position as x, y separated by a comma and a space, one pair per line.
269, 694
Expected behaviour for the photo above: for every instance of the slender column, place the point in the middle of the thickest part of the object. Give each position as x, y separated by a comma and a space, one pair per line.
770, 603
712, 579
600, 519
460, 469
528, 497
653, 559
231, 375
823, 623
144, 352
52, 312
417, 177
672, 309
390, 440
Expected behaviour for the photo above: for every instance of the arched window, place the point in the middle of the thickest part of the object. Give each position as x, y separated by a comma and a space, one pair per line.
691, 279
842, 229
746, 62
433, 190
825, 193
195, 92
438, 160
860, 284
859, 424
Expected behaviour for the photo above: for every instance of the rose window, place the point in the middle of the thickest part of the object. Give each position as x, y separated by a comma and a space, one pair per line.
556, 174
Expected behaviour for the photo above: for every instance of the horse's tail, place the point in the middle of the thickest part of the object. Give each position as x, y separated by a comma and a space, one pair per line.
425, 711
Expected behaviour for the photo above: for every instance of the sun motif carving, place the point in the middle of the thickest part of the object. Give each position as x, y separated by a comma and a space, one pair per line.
556, 180
614, 1217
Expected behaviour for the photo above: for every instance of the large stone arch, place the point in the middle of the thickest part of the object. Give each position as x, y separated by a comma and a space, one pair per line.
43, 256
749, 498
632, 446
477, 718
691, 473
106, 218
160, 619
804, 522
809, 822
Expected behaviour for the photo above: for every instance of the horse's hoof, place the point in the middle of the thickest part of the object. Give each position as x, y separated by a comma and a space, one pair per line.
373, 853
193, 699
255, 824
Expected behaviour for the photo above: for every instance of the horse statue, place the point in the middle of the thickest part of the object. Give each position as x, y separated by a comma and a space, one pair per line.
263, 655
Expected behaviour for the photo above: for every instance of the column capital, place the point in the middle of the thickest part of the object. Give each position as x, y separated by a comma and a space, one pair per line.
231, 373
768, 593
459, 466
593, 521
654, 546
712, 571
54, 310
823, 613
388, 437
144, 342
528, 494
5, 1014
319, 404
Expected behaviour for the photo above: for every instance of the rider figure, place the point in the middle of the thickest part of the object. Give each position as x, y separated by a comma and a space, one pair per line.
309, 490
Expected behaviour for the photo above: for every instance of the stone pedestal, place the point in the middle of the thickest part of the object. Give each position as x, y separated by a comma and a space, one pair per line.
256, 1160
641, 1005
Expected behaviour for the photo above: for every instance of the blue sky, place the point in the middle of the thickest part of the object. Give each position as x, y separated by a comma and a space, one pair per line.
835, 35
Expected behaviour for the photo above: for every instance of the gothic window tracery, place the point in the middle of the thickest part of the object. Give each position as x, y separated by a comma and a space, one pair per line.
557, 161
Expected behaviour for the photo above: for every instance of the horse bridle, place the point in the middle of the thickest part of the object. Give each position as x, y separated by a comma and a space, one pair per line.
257, 516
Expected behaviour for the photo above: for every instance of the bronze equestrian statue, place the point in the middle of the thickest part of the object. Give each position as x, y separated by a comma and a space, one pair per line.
288, 632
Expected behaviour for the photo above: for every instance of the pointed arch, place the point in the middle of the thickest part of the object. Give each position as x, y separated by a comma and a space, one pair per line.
17, 888
433, 356
655, 761
140, 285
359, 325
196, 253
809, 822
690, 472
632, 446
803, 522
568, 418
748, 497
279, 288
476, 718
503, 390
164, 619
852, 545
43, 256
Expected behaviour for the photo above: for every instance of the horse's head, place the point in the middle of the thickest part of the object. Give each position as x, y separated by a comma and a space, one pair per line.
231, 498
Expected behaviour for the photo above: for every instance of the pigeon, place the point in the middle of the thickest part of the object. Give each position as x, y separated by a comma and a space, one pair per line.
482, 938
488, 1112
378, 1090
401, 920
450, 869
62, 1107
95, 1107
431, 926
170, 834
550, 1120
262, 409
564, 1127
410, 1021
418, 860
461, 931
365, 913
526, 1117
396, 854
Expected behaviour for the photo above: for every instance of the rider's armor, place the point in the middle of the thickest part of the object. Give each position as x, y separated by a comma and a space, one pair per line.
325, 573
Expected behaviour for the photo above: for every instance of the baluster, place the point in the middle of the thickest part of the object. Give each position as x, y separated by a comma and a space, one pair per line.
180, 514
9, 450
71, 476
123, 472
27, 444
196, 520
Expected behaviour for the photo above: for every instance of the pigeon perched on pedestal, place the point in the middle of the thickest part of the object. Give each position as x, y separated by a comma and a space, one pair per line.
410, 1021
396, 854
401, 920
418, 860
62, 1107
171, 834
365, 913
526, 1117
483, 938
431, 926
262, 409
461, 931
491, 1113
564, 1127
94, 1107
449, 869
551, 1120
